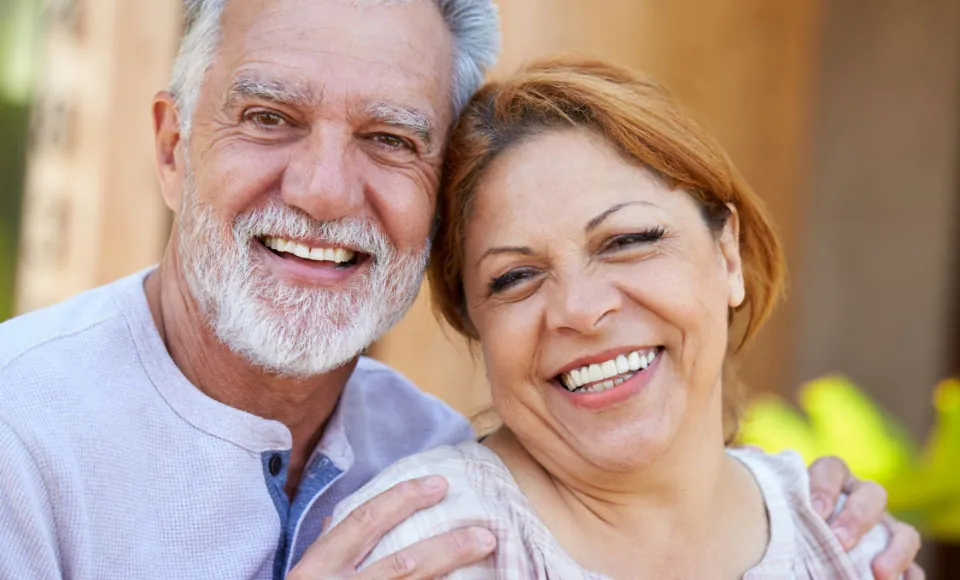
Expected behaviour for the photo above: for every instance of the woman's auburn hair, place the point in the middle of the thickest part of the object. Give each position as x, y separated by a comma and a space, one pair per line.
638, 118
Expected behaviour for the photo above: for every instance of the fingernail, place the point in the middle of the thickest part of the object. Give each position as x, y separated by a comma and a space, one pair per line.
433, 483
884, 563
843, 535
485, 538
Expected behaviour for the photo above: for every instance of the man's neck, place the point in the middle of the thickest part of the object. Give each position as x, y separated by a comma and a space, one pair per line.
303, 405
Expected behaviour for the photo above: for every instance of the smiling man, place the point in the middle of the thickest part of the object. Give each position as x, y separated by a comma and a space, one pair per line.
203, 418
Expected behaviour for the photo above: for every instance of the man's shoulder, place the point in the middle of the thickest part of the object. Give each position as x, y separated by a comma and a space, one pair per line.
51, 328
51, 358
392, 402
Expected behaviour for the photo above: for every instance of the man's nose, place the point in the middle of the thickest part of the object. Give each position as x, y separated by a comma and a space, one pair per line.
322, 179
582, 303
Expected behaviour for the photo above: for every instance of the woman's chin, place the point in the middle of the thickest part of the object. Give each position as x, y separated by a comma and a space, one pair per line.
626, 447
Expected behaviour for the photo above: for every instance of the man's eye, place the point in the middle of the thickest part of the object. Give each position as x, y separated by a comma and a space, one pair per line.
392, 141
265, 118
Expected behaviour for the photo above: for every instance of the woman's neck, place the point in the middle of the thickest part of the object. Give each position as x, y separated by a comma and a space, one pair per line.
694, 499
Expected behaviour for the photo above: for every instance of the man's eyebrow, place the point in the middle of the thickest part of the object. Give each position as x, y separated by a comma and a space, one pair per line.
406, 118
595, 222
248, 88
523, 250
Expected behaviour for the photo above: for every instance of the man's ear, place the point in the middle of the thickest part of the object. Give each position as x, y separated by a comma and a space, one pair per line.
169, 149
730, 251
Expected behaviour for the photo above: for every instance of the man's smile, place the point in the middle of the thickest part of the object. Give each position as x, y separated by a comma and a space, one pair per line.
313, 263
342, 257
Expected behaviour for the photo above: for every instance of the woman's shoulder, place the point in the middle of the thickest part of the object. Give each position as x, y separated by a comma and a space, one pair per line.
481, 493
800, 540
469, 468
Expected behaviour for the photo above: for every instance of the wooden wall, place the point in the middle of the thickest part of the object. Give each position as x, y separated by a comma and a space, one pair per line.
744, 67
92, 208
880, 280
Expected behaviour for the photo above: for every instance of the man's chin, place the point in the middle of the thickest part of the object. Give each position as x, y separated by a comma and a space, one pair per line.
300, 347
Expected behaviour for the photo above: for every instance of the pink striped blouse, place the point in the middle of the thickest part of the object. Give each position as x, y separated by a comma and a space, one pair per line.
483, 492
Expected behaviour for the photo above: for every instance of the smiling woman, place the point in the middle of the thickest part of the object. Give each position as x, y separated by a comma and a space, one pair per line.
640, 120
597, 243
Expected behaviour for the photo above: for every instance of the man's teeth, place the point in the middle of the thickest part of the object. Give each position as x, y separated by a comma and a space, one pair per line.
608, 374
337, 255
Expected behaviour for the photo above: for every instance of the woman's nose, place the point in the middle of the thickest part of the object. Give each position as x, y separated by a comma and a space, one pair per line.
322, 180
582, 304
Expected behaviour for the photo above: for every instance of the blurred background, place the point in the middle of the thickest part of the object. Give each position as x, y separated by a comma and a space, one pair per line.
844, 116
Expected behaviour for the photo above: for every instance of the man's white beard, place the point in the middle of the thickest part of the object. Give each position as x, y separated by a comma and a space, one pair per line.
291, 330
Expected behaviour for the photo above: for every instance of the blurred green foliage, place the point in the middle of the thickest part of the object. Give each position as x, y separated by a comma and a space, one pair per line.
19, 20
13, 137
837, 418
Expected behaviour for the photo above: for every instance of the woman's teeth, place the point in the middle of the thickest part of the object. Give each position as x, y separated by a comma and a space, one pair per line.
608, 374
336, 255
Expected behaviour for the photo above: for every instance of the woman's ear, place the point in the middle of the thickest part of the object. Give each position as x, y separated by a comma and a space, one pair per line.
730, 252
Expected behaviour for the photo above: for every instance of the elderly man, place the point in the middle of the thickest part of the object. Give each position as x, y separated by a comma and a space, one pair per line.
203, 418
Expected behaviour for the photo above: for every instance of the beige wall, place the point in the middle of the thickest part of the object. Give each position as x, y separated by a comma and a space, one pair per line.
745, 67
92, 208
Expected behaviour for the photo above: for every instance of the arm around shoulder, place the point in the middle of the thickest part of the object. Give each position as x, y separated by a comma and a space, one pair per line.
464, 506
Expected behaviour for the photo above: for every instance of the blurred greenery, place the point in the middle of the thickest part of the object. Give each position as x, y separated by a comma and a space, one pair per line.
13, 131
19, 20
838, 418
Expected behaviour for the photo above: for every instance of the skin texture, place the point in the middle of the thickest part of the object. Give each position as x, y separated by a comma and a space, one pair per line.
325, 155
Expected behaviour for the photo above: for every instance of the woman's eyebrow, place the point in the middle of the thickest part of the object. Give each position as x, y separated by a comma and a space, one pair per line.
523, 250
595, 222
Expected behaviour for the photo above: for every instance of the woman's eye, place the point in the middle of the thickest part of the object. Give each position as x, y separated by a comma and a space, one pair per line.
392, 141
627, 240
267, 119
509, 280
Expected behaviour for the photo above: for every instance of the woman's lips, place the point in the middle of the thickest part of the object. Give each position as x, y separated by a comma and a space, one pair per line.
605, 374
598, 399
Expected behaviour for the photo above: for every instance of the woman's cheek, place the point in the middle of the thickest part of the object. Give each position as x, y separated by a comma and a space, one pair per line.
508, 348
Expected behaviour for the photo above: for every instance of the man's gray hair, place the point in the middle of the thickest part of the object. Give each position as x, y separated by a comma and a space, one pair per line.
473, 24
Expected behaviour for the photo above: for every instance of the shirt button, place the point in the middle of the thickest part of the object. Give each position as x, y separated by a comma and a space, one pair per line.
276, 464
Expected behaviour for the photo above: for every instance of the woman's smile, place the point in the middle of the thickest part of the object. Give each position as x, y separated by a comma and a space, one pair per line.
595, 377
597, 386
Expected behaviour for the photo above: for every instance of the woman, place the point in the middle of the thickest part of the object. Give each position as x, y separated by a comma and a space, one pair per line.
598, 245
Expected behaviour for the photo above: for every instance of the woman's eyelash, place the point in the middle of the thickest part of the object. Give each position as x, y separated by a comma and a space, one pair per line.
644, 237
505, 281
513, 277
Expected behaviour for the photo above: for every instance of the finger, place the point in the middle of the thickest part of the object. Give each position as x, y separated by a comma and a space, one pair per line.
899, 554
434, 556
915, 572
863, 510
350, 541
827, 476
